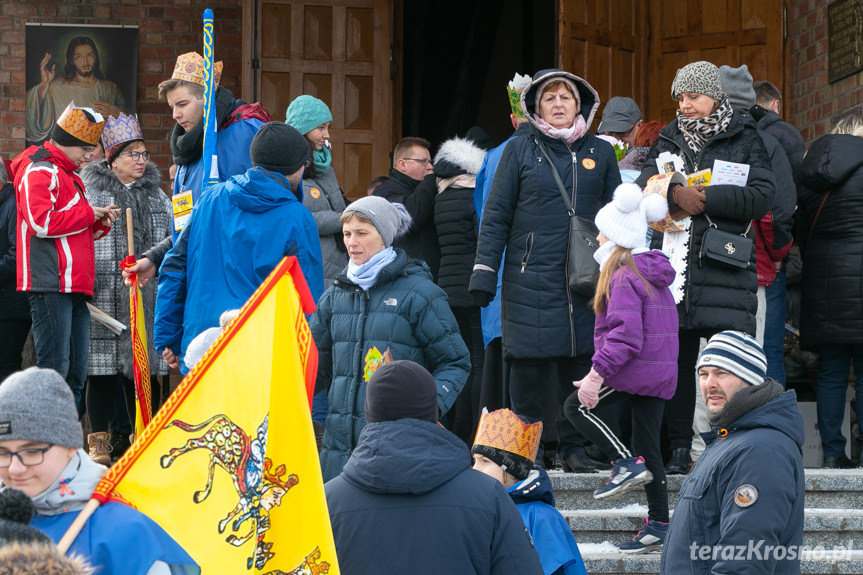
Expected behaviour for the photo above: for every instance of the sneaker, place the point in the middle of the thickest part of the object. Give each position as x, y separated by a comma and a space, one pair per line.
626, 475
648, 539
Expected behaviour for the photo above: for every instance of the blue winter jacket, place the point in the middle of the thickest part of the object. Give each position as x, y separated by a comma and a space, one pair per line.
746, 490
405, 312
239, 231
408, 502
541, 317
551, 534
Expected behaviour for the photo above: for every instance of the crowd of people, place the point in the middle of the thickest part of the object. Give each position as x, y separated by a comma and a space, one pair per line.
450, 328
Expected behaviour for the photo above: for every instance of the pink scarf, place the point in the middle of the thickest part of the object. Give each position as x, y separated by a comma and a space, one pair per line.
568, 135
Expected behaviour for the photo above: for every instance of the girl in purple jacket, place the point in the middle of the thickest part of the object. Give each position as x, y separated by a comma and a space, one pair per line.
635, 339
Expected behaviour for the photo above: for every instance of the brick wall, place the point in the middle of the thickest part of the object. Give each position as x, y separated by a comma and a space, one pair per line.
813, 103
166, 29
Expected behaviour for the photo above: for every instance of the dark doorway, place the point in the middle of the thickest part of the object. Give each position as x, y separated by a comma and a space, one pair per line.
458, 56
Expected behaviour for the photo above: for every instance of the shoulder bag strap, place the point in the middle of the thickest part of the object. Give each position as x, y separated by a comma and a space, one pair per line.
712, 225
818, 213
570, 209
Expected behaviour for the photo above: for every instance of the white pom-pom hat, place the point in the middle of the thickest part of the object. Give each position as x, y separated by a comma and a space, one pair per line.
624, 220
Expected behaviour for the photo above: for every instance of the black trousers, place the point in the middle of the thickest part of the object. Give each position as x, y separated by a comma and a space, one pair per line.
15, 336
465, 413
528, 384
680, 409
646, 424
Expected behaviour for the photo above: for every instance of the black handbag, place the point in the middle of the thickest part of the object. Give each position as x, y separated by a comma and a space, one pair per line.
582, 271
725, 248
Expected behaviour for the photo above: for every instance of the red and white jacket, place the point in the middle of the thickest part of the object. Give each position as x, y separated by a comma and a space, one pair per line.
55, 224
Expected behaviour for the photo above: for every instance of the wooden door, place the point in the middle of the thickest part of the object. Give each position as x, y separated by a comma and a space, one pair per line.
335, 50
731, 32
605, 42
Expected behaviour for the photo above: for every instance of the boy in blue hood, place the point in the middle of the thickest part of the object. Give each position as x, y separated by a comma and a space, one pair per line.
505, 449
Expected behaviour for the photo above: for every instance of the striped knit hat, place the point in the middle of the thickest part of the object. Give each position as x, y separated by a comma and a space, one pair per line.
735, 352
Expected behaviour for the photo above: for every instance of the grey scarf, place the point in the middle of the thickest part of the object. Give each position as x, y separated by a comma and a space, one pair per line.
73, 487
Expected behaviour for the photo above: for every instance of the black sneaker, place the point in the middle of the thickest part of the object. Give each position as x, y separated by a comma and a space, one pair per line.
648, 539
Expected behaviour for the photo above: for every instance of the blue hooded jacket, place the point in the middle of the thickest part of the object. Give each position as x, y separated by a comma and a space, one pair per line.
239, 231
551, 534
745, 493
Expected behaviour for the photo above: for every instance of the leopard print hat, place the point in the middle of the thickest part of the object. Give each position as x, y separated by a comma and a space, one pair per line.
700, 78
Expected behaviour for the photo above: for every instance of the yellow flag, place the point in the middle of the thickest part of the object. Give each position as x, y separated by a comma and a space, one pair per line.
229, 466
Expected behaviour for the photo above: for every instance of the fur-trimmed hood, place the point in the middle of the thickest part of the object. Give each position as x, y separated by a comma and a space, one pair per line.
458, 156
588, 97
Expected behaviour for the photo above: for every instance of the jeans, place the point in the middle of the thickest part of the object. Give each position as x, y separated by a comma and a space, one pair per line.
320, 408
833, 368
774, 328
61, 333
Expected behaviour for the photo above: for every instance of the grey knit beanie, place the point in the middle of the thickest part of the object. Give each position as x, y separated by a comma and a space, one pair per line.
306, 113
37, 405
737, 83
278, 147
392, 220
699, 78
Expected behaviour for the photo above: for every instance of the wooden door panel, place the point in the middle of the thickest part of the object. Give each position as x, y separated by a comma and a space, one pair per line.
337, 51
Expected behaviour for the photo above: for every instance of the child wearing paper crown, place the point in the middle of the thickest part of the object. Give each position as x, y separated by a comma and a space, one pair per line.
635, 358
505, 449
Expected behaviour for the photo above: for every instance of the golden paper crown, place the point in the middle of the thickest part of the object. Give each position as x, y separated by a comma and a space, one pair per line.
74, 122
515, 87
503, 429
119, 131
190, 67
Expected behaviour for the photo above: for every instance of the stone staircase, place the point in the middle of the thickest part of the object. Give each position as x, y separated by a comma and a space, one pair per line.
833, 522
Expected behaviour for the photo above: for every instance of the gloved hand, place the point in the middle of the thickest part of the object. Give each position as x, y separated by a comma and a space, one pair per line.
481, 298
588, 389
691, 199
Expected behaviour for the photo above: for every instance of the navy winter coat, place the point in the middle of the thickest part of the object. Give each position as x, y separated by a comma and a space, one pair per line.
405, 312
524, 213
408, 502
718, 297
833, 256
747, 487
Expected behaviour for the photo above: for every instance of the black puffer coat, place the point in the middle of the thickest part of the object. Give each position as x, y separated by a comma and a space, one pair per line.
456, 165
541, 317
832, 304
13, 304
718, 297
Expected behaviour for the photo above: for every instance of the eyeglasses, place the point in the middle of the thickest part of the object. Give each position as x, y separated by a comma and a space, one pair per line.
136, 156
29, 457
422, 161
88, 151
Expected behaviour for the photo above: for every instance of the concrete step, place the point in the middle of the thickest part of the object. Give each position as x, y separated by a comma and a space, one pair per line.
825, 489
824, 527
648, 563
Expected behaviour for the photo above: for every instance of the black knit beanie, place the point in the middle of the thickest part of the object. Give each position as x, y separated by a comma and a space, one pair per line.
401, 389
16, 511
278, 147
516, 465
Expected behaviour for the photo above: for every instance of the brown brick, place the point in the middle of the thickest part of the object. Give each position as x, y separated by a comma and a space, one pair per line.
19, 9
17, 105
18, 132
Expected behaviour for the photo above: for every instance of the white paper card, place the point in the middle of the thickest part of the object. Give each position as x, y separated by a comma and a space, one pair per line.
729, 173
668, 162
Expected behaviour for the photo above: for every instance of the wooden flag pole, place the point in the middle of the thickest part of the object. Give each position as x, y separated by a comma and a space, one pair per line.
77, 525
130, 232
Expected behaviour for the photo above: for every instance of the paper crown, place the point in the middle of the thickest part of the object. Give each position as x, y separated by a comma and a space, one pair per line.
74, 122
120, 130
190, 67
515, 87
503, 429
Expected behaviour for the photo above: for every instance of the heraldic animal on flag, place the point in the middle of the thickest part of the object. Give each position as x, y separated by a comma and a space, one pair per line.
229, 466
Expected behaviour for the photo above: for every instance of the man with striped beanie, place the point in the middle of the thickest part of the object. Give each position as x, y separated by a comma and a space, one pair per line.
746, 490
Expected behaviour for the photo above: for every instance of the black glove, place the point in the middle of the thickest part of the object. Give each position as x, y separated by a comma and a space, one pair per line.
481, 298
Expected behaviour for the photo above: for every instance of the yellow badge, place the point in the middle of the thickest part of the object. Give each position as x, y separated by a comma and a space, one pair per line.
588, 164
315, 193
745, 495
182, 208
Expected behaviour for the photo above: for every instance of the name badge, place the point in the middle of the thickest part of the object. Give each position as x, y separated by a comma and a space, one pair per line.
182, 209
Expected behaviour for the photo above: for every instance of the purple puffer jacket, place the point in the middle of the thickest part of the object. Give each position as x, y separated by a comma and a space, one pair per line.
636, 336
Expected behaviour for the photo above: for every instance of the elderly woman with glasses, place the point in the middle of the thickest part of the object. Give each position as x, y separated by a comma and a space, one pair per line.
128, 179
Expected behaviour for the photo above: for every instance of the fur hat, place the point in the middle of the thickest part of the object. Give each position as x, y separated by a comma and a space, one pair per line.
278, 147
737, 83
37, 405
735, 352
306, 113
392, 220
698, 78
399, 390
40, 559
624, 219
